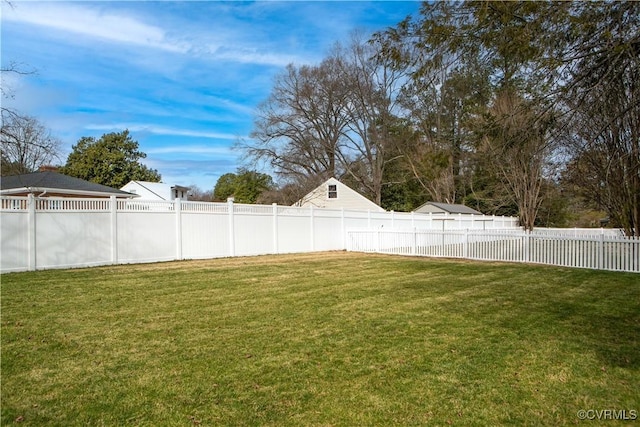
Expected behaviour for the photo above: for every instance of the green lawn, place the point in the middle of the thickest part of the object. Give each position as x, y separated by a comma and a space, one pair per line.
326, 339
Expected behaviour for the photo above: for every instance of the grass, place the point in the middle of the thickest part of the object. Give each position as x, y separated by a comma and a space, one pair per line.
321, 339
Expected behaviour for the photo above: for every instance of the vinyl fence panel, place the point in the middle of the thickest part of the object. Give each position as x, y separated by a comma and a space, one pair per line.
70, 239
606, 251
205, 231
146, 236
15, 243
59, 233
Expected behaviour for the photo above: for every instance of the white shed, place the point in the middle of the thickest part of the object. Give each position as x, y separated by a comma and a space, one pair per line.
333, 194
156, 190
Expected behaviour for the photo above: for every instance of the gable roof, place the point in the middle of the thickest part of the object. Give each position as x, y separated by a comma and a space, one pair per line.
158, 190
56, 183
345, 197
155, 188
447, 208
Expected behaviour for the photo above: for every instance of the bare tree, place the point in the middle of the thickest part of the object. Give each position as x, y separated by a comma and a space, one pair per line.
517, 145
196, 194
11, 69
443, 110
371, 111
602, 97
26, 144
299, 127
334, 119
604, 141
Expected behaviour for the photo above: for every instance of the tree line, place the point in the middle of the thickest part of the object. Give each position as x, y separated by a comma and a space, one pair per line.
508, 107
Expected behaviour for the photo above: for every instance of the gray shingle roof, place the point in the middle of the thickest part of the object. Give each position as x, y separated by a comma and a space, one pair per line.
453, 208
57, 181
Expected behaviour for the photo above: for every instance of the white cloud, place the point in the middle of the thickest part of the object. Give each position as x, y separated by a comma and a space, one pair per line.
253, 56
161, 130
119, 27
192, 149
236, 50
92, 22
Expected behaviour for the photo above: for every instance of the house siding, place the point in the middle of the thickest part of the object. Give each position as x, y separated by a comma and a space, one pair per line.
155, 190
345, 198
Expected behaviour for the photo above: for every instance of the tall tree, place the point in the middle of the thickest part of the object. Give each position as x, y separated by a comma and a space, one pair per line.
333, 119
26, 144
299, 127
246, 186
601, 95
225, 186
112, 160
471, 58
516, 143
371, 109
443, 109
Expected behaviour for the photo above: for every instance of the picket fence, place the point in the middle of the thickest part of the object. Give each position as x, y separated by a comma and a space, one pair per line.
46, 233
599, 249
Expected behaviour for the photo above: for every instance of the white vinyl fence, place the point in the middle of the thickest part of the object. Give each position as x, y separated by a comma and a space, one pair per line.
44, 233
603, 250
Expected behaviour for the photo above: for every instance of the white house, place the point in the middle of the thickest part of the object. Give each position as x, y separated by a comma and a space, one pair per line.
333, 194
156, 190
434, 207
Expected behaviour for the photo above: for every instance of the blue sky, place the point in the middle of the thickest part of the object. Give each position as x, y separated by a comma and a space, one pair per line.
183, 77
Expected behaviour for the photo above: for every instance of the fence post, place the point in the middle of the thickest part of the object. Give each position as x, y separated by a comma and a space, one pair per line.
178, 209
527, 244
342, 229
31, 247
274, 207
114, 229
312, 221
414, 248
601, 250
465, 246
232, 232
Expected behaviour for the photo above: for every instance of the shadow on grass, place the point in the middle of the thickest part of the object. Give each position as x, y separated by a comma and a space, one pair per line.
591, 311
612, 335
